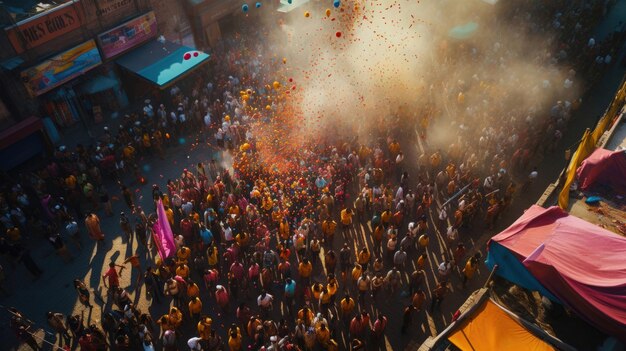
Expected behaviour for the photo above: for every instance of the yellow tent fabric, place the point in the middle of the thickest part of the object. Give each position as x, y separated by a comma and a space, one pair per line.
492, 329
586, 147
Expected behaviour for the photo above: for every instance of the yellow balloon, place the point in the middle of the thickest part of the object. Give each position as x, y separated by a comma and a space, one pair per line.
307, 14
327, 12
227, 118
245, 97
268, 107
284, 60
276, 85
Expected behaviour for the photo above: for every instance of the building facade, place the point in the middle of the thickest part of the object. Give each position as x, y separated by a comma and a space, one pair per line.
60, 62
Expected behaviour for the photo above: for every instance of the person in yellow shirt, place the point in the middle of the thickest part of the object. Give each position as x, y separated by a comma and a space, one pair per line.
421, 261
357, 271
170, 215
192, 289
363, 258
322, 335
346, 220
234, 210
164, 323
212, 258
204, 328
183, 254
423, 241
182, 270
195, 308
14, 234
166, 201
70, 182
267, 204
347, 306
243, 240
328, 230
283, 229
277, 216
385, 218
378, 236
234, 338
175, 318
470, 268
332, 288
304, 270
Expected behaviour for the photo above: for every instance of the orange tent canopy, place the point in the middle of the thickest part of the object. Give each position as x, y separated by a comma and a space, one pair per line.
492, 329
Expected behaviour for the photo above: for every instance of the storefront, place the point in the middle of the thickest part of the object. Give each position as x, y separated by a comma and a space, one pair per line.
159, 64
146, 62
61, 70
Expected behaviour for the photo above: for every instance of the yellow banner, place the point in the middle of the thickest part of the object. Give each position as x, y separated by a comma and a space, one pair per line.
588, 143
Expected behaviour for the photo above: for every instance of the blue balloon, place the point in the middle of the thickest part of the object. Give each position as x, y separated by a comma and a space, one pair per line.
337, 3
244, 8
258, 4
289, 1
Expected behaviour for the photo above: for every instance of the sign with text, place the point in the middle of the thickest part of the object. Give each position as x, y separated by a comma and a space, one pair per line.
107, 7
128, 35
44, 27
61, 68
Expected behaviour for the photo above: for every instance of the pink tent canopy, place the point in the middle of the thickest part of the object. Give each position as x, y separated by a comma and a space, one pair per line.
604, 167
582, 264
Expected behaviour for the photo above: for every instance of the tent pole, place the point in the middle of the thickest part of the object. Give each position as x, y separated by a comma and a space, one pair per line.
493, 270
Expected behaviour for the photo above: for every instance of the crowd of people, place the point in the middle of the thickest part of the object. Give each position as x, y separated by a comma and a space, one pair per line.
297, 255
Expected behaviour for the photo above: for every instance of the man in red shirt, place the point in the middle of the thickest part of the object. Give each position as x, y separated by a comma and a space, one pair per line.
114, 277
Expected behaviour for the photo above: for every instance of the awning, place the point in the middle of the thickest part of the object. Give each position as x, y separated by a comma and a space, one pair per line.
492, 329
162, 63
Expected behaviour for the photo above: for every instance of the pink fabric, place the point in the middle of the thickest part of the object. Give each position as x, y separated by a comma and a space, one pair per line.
163, 236
580, 263
604, 167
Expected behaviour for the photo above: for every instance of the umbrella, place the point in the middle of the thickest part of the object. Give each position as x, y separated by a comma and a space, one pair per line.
463, 31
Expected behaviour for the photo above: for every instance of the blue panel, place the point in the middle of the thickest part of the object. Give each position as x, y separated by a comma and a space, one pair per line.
173, 65
511, 269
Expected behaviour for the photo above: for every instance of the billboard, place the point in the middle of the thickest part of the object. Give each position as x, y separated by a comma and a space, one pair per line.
44, 27
128, 35
61, 68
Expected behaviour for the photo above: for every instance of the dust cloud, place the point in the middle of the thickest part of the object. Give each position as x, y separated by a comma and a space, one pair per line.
448, 67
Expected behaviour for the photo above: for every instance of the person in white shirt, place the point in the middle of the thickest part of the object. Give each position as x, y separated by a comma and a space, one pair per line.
264, 301
148, 109
194, 344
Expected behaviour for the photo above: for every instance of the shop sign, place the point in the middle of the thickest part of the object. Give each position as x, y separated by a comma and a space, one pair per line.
128, 35
107, 7
61, 68
44, 27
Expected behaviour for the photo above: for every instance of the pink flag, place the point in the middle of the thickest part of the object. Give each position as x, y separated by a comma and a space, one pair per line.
163, 236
